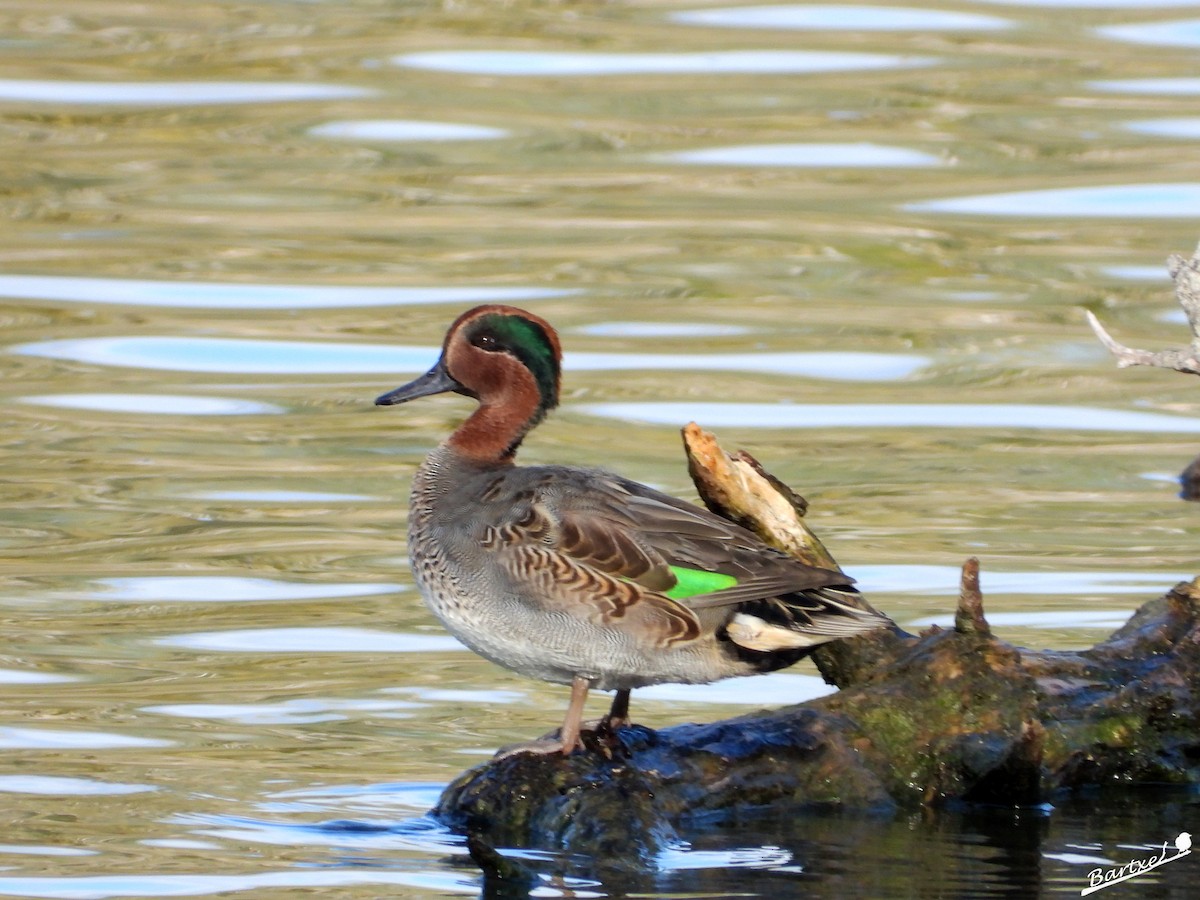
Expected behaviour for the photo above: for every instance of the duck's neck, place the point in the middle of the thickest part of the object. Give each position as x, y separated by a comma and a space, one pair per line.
492, 434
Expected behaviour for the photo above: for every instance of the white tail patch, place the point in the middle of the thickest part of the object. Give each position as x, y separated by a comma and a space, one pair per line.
753, 633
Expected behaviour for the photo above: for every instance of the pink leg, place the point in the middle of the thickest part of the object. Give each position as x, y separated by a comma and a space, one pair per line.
568, 739
574, 721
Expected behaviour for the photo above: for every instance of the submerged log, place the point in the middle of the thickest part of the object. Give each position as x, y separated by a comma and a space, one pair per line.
948, 715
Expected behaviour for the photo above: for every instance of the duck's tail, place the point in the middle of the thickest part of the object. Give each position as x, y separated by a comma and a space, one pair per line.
802, 620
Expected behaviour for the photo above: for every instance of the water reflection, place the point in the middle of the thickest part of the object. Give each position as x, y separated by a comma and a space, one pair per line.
893, 415
1137, 273
1119, 201
156, 404
282, 357
1064, 618
1081, 859
943, 581
226, 589
840, 366
862, 155
775, 689
201, 883
1180, 86
26, 676
1175, 128
405, 130
840, 18
409, 796
1161, 477
226, 295
486, 696
1097, 4
728, 62
13, 738
279, 496
767, 857
299, 711
973, 852
312, 640
179, 844
661, 330
421, 834
60, 785
171, 93
37, 850
1164, 34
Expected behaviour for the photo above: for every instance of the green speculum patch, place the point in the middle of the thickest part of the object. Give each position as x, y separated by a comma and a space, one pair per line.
691, 582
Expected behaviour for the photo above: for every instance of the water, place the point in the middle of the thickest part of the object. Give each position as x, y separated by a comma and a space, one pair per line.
854, 241
521, 63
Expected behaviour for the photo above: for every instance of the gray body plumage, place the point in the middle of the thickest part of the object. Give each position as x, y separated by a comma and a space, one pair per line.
533, 568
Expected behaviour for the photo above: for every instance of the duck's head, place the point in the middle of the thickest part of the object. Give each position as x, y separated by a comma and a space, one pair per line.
506, 358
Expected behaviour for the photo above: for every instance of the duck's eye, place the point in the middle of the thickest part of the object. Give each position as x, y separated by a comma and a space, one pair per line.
486, 342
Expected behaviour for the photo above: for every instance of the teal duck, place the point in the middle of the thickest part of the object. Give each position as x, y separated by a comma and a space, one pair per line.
579, 576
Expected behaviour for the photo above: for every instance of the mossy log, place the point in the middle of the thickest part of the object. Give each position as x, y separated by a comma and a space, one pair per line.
948, 715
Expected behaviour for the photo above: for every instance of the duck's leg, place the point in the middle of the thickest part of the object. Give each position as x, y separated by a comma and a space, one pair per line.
567, 739
574, 720
618, 713
616, 717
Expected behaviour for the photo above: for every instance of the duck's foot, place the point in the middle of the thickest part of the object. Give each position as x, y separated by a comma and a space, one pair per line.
544, 746
597, 735
604, 727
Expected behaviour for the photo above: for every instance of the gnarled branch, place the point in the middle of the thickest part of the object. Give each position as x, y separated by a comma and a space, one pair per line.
1186, 274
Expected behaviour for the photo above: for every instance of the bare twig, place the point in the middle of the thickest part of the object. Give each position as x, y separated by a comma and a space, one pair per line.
1186, 273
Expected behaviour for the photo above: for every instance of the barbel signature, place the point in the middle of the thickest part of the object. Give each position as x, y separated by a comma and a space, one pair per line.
1098, 879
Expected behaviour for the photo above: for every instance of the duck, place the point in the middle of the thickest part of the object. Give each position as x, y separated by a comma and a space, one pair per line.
579, 576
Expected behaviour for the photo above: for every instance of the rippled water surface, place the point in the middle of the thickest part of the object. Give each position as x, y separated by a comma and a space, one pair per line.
854, 240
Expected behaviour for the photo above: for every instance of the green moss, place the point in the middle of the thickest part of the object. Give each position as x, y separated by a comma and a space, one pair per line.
1110, 731
1118, 731
900, 737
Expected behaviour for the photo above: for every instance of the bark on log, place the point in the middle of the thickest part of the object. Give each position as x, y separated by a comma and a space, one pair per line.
947, 715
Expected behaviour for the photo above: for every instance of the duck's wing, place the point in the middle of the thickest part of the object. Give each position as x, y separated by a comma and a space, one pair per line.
580, 564
674, 547
775, 602
625, 555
